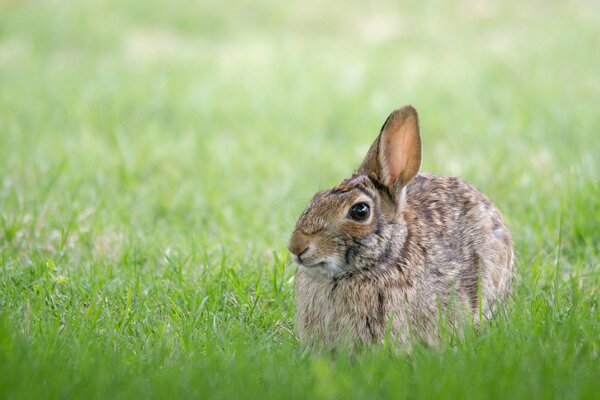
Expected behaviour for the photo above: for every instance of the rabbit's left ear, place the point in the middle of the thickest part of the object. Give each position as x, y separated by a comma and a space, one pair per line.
395, 156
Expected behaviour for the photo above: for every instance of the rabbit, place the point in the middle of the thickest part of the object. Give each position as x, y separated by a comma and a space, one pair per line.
391, 252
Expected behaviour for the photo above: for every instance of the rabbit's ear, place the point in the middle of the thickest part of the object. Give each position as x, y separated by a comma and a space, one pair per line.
395, 156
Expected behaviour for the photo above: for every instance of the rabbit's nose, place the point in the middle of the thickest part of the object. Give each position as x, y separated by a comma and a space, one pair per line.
298, 248
301, 253
299, 243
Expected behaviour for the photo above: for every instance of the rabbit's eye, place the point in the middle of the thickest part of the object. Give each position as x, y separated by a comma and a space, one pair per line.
360, 212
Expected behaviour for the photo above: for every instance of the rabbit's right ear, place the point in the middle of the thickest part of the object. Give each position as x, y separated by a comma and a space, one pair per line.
395, 156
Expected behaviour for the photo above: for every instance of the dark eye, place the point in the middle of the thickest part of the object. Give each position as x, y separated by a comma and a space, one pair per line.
360, 212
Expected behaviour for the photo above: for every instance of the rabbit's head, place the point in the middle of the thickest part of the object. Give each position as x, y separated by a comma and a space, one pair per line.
359, 224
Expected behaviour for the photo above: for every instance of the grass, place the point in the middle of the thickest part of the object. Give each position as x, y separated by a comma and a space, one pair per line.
154, 158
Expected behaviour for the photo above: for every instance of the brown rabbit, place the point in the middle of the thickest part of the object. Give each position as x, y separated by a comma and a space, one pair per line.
388, 251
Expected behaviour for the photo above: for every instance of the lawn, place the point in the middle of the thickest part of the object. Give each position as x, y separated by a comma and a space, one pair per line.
154, 157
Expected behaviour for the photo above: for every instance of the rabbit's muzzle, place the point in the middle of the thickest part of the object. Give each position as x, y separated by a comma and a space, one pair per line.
310, 253
299, 246
303, 250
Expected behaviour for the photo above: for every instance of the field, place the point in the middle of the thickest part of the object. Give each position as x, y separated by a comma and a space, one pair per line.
154, 157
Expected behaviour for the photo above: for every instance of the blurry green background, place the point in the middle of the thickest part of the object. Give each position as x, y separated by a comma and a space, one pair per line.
154, 157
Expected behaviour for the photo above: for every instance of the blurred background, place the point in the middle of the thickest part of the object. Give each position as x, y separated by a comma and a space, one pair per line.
214, 122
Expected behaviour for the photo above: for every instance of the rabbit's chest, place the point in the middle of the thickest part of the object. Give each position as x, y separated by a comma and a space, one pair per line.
358, 310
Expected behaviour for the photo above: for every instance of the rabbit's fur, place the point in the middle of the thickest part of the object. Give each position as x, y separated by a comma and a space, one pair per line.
433, 250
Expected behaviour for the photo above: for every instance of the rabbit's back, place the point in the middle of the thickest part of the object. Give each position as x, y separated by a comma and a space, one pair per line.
457, 247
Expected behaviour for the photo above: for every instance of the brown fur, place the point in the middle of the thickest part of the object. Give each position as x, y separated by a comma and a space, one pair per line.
434, 248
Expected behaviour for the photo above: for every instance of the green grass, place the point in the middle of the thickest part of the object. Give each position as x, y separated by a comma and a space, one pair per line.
154, 158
